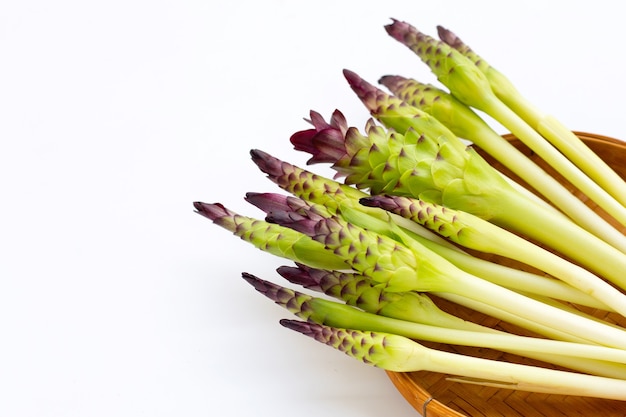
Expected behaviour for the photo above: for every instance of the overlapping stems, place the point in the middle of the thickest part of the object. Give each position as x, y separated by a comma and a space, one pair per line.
381, 253
546, 125
432, 164
334, 196
475, 233
399, 267
468, 83
432, 324
401, 354
410, 99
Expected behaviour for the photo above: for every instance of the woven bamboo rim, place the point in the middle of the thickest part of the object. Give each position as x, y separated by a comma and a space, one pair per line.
433, 395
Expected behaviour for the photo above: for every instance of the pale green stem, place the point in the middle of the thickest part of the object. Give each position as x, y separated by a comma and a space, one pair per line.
546, 185
409, 233
588, 161
529, 309
515, 279
401, 354
595, 367
479, 234
581, 246
560, 136
519, 377
500, 314
496, 109
577, 355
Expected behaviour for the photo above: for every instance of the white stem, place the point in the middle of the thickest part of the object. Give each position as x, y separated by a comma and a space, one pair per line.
550, 154
529, 309
522, 377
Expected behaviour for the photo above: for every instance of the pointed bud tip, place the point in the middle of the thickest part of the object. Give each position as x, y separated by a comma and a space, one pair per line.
298, 275
288, 271
362, 88
267, 163
448, 37
266, 288
352, 77
384, 202
267, 202
369, 201
299, 326
398, 29
248, 277
258, 154
210, 211
391, 81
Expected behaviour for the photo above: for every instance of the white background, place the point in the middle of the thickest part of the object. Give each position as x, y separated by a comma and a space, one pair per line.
115, 298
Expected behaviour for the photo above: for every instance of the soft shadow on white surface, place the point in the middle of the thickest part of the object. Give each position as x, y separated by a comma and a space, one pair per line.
115, 298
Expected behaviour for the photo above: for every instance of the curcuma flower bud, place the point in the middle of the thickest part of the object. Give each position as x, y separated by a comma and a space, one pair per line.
500, 85
359, 291
443, 106
454, 70
277, 240
401, 354
398, 113
421, 164
436, 170
383, 350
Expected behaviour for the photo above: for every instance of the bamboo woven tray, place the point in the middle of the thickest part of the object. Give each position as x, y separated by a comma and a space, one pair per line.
434, 396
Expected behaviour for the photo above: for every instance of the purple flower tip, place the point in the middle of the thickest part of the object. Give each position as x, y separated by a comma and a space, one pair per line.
268, 202
448, 37
267, 163
300, 326
325, 142
211, 211
258, 284
366, 92
300, 275
379, 201
391, 81
398, 30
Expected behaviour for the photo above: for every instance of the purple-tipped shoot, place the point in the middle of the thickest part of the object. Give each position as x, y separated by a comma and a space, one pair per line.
400, 354
464, 80
389, 352
394, 112
359, 291
278, 240
304, 184
213, 211
494, 95
475, 233
331, 134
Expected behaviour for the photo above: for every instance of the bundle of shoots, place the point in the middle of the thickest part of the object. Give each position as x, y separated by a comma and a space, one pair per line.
402, 111
301, 216
400, 354
547, 125
472, 87
359, 291
597, 360
403, 235
401, 268
335, 196
475, 233
435, 166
